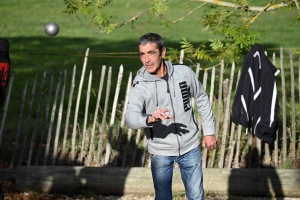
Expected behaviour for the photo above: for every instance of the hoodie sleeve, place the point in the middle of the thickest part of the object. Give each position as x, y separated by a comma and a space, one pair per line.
135, 114
242, 108
203, 105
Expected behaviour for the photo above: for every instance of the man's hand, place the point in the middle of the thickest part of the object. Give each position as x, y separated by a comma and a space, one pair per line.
209, 142
159, 115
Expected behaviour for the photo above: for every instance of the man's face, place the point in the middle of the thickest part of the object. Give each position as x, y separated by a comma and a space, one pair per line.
151, 57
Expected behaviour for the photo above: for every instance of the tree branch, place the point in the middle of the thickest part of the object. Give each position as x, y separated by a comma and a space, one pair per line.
251, 8
122, 23
189, 13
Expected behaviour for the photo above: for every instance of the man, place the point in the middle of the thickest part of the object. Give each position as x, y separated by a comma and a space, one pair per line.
159, 102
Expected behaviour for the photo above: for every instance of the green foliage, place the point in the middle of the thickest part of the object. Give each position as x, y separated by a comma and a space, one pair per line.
158, 9
229, 25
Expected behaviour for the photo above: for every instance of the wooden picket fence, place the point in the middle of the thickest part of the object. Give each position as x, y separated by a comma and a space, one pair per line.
47, 136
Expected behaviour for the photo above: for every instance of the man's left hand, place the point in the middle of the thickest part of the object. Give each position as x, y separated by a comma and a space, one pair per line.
209, 142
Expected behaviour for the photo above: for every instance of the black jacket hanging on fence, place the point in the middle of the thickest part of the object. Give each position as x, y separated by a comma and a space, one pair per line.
256, 103
4, 68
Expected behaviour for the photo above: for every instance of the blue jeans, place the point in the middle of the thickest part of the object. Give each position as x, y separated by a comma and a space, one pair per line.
190, 165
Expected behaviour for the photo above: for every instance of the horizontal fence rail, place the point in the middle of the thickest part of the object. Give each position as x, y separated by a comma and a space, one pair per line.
55, 125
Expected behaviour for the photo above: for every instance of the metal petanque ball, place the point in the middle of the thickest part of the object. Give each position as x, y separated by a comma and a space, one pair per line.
51, 29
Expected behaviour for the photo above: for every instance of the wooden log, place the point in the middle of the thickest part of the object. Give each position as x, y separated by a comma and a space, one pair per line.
138, 180
8, 175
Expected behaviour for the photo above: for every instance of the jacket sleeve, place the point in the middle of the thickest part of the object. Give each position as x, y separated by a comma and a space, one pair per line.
269, 102
203, 105
243, 104
135, 114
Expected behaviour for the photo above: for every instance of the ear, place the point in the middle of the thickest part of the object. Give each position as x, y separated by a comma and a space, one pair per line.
163, 52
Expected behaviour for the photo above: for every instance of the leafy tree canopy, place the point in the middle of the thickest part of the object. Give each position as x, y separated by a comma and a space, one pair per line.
228, 21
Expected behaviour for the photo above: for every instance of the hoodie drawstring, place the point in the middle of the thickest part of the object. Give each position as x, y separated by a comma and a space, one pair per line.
156, 96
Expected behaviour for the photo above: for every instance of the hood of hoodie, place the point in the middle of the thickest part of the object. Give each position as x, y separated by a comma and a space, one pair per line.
144, 76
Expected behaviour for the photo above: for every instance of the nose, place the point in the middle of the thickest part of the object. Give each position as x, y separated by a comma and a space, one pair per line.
147, 58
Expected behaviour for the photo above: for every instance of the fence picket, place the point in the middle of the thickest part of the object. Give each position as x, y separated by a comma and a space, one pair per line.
19, 125
59, 118
219, 109
6, 107
45, 123
137, 140
113, 115
52, 119
275, 158
126, 147
77, 106
284, 142
100, 141
87, 103
63, 151
123, 119
37, 118
91, 148
27, 123
226, 118
293, 127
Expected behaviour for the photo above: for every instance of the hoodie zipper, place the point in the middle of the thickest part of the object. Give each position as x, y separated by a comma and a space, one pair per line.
168, 91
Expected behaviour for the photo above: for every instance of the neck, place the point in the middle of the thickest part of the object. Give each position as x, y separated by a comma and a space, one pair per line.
161, 71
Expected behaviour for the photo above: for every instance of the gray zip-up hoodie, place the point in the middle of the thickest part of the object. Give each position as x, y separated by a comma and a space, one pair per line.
170, 137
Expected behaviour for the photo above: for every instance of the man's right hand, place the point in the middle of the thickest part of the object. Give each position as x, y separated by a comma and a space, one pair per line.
159, 115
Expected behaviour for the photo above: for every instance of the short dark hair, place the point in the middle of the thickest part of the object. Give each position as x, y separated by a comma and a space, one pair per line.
154, 38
